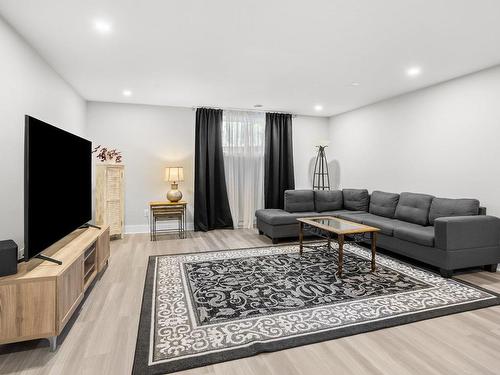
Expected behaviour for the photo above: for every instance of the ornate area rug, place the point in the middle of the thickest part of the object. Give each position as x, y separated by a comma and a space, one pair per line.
203, 308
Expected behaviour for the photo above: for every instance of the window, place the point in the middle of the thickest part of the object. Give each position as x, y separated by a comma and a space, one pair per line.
243, 144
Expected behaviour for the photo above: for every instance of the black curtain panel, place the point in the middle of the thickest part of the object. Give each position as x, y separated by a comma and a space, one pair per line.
278, 159
211, 205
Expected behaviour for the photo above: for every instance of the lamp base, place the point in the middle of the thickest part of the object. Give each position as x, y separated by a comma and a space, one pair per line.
174, 195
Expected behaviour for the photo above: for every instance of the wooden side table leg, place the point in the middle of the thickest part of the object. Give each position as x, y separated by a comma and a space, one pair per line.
150, 223
154, 228
341, 254
153, 225
301, 237
373, 236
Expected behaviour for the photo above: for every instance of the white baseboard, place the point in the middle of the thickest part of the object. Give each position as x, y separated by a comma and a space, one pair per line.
144, 228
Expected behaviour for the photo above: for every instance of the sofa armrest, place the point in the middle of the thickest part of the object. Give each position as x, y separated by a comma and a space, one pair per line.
463, 232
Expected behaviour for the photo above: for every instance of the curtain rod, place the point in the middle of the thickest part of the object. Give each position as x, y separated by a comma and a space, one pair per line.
245, 110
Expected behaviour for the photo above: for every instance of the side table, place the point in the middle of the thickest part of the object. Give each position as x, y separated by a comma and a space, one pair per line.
166, 211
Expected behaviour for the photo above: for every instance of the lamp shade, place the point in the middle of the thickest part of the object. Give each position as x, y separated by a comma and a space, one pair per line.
174, 174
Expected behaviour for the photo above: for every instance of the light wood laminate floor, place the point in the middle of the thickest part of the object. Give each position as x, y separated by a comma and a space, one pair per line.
101, 339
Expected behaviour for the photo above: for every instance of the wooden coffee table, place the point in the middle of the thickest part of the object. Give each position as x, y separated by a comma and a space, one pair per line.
326, 225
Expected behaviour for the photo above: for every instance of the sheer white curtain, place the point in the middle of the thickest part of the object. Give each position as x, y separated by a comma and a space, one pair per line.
243, 146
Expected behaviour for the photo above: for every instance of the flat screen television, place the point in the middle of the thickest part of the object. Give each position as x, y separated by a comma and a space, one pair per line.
57, 185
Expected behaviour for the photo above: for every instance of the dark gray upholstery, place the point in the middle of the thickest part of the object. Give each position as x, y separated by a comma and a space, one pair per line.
276, 216
447, 260
412, 250
414, 208
415, 233
299, 200
385, 224
453, 242
351, 215
278, 231
340, 212
328, 200
383, 204
356, 199
462, 232
444, 207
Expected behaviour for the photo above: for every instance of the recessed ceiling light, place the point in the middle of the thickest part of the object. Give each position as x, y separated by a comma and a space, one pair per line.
102, 26
258, 106
318, 107
355, 83
414, 71
127, 93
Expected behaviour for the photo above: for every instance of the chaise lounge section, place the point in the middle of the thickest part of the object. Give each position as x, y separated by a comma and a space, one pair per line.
446, 233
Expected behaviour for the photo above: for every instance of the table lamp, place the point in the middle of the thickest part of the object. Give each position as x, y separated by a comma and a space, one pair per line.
174, 175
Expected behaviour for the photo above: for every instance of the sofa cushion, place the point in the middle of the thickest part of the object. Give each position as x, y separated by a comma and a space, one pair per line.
328, 200
356, 199
444, 207
383, 204
299, 200
355, 216
339, 213
275, 216
385, 224
414, 208
415, 233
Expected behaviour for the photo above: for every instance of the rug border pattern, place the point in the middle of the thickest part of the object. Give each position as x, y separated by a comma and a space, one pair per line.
144, 349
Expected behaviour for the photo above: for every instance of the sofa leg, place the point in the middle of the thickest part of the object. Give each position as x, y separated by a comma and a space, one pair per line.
446, 273
491, 267
261, 232
275, 241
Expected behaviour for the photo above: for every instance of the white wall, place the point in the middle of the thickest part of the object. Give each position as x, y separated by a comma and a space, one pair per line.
150, 138
308, 132
27, 86
443, 140
153, 137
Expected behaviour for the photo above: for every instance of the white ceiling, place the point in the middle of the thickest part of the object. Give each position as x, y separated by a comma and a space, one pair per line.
286, 55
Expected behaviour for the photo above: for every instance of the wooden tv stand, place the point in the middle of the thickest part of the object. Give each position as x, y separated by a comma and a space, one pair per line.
40, 299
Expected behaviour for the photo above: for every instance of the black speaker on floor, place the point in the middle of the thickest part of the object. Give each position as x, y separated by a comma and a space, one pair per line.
8, 258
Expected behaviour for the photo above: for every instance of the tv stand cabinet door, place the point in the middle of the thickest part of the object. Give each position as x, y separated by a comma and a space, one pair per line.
102, 250
27, 310
69, 291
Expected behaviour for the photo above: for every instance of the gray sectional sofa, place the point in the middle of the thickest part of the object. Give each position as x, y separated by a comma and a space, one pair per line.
447, 233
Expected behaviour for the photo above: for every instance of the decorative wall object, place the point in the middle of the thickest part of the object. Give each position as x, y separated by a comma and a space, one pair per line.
321, 179
106, 155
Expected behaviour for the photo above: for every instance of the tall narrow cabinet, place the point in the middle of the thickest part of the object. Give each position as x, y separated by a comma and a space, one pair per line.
109, 207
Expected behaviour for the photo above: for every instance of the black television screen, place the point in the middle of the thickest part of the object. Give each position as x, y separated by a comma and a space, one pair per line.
57, 185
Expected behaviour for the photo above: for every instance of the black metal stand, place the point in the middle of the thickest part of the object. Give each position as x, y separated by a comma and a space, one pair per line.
89, 226
43, 257
321, 179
